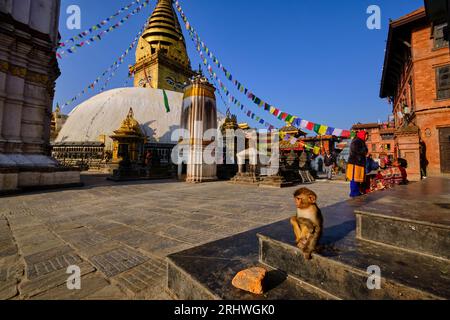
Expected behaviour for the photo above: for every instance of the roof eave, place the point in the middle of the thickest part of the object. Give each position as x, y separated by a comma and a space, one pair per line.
393, 25
383, 93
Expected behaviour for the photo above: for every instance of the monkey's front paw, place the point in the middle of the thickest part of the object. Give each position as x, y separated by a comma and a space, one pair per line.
307, 255
301, 243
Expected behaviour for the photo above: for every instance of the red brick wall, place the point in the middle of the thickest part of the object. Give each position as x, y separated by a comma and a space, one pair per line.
425, 60
375, 139
429, 112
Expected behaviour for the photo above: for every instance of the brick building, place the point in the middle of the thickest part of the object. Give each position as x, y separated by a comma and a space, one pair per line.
416, 80
381, 139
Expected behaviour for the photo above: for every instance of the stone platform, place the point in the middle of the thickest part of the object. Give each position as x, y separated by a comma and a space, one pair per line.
339, 269
419, 221
262, 181
15, 180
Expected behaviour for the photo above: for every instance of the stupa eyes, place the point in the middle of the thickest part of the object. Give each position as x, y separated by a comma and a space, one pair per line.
173, 83
170, 81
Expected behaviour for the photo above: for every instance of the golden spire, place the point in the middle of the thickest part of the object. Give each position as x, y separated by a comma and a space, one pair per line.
162, 61
164, 20
164, 32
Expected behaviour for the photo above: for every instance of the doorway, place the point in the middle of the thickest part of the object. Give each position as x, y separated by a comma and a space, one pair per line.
444, 147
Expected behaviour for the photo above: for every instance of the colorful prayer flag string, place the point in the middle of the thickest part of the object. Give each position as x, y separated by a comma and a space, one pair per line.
287, 137
74, 48
224, 100
213, 77
276, 112
97, 26
117, 63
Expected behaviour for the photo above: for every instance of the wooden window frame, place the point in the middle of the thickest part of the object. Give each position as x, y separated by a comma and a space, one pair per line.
438, 88
445, 43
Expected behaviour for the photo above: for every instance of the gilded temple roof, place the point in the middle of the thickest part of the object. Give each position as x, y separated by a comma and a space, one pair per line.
291, 130
129, 126
230, 122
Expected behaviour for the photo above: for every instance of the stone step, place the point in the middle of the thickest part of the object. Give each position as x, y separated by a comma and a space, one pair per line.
206, 272
342, 271
183, 285
418, 222
338, 271
280, 286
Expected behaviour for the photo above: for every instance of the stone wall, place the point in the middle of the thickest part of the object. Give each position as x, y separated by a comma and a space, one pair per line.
28, 71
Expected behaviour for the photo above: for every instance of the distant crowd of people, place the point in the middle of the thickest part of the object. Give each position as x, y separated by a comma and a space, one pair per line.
367, 175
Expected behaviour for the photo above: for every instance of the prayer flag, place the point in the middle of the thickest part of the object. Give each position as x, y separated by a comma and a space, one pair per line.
337, 132
316, 150
323, 129
329, 131
166, 101
316, 128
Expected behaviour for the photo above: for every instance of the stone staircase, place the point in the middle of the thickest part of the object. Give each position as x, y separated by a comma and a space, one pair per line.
405, 232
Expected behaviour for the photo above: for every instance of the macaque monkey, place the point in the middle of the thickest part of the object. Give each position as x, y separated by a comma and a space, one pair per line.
308, 223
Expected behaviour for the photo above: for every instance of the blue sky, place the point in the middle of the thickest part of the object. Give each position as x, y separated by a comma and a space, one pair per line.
313, 58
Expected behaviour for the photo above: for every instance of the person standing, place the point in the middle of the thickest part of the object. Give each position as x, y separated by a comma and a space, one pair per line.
148, 158
329, 162
357, 163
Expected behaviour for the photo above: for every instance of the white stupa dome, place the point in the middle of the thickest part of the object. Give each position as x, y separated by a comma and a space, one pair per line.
102, 114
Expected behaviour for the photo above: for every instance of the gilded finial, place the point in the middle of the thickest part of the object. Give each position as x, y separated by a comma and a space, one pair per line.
130, 113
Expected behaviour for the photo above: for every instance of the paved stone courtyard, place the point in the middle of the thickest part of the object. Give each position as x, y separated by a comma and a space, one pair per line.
120, 234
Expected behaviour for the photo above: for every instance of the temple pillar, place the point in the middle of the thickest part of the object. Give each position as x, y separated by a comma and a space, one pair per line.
6, 42
2, 107
11, 127
199, 118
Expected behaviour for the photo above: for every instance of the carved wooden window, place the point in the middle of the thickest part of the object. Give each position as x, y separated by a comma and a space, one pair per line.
443, 82
387, 137
440, 38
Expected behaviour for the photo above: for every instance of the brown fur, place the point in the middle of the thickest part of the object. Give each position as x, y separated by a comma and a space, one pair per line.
308, 223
